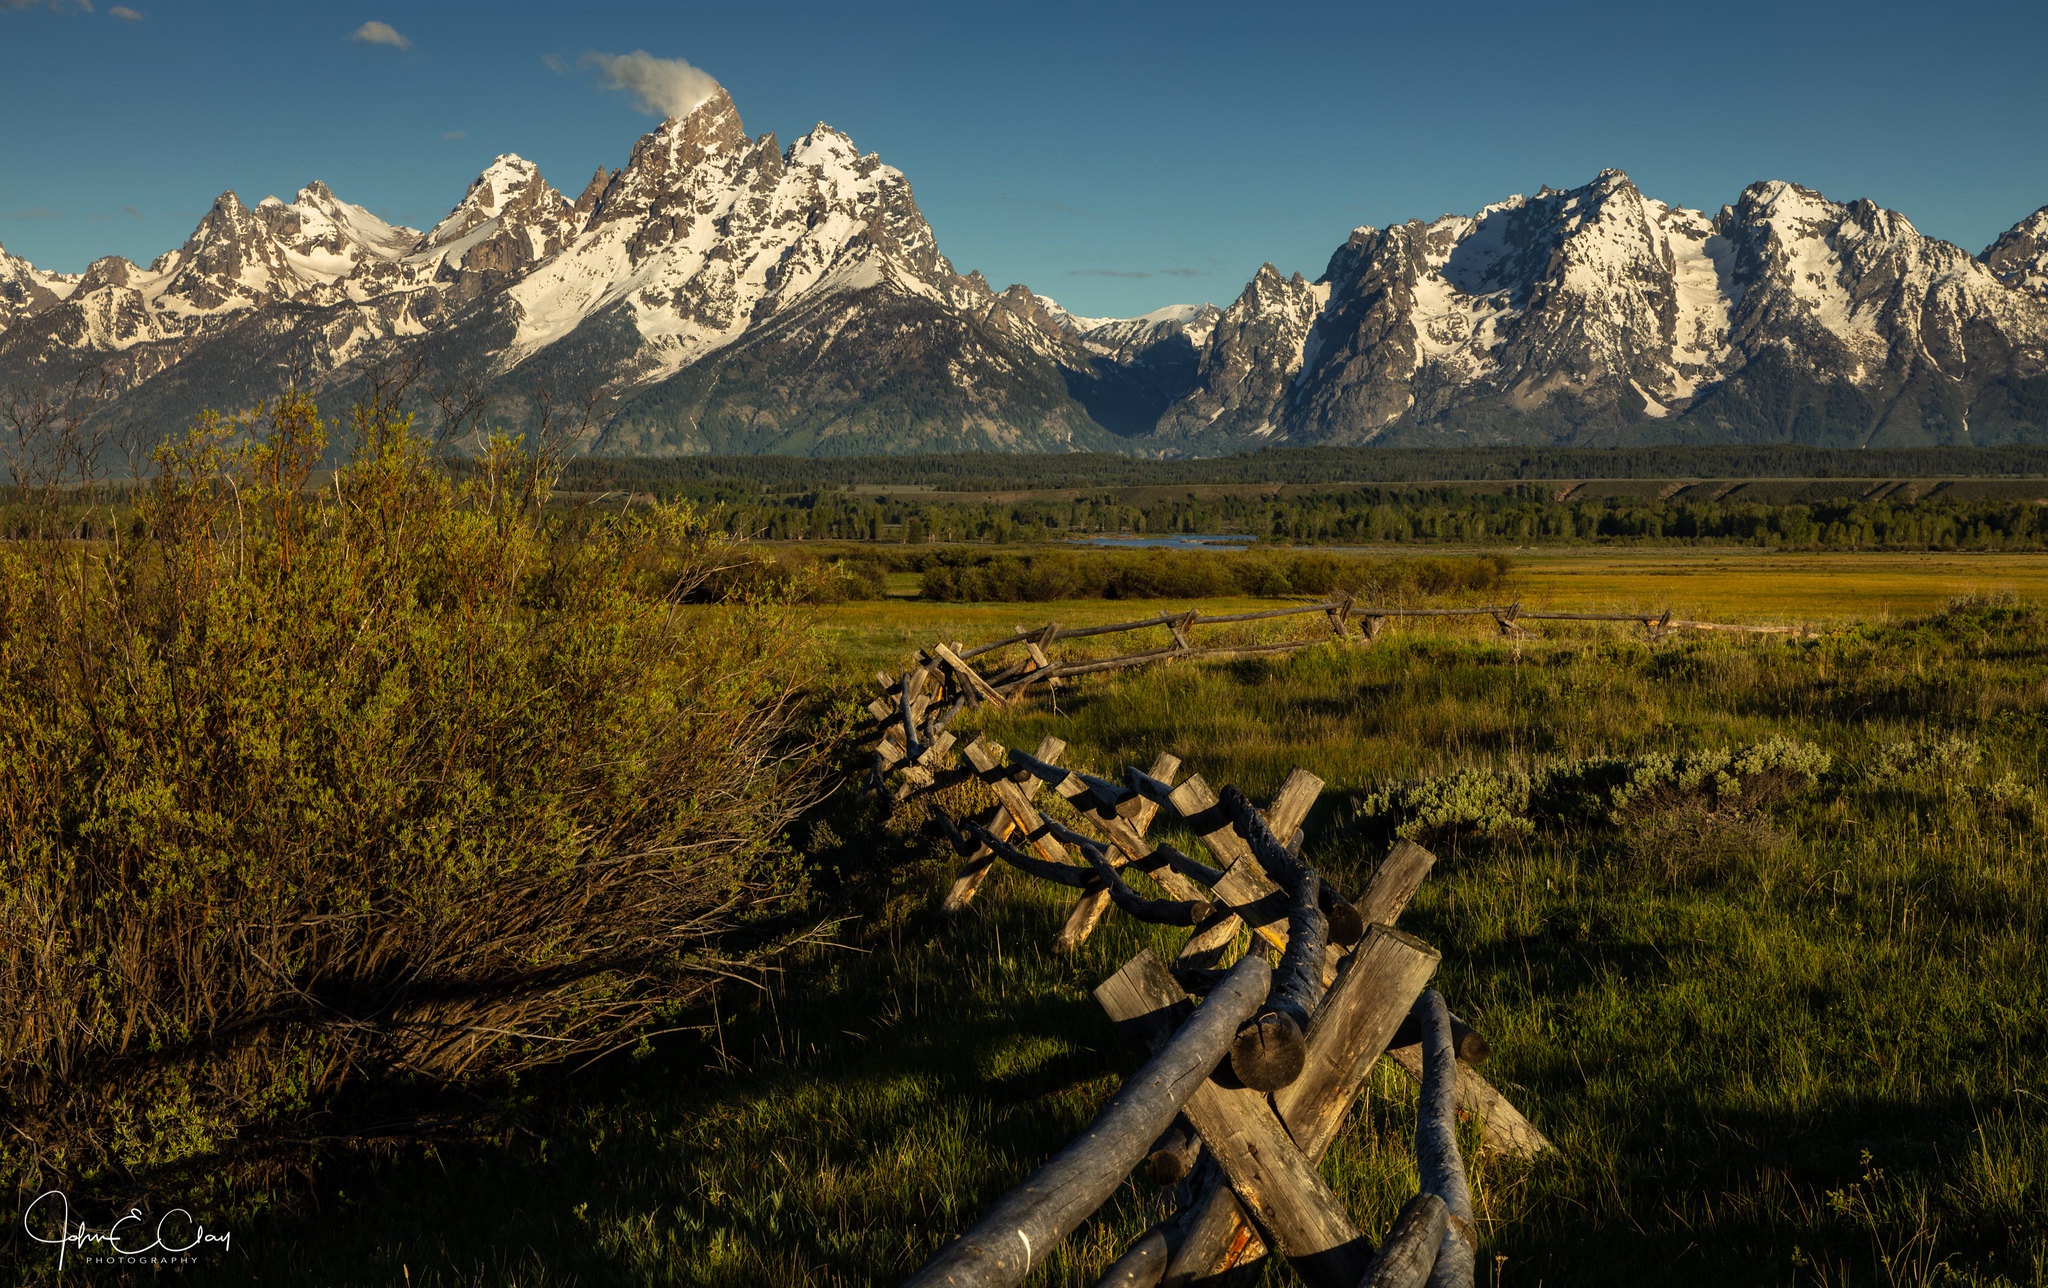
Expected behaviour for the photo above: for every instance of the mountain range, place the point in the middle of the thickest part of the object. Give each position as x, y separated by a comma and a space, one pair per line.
721, 293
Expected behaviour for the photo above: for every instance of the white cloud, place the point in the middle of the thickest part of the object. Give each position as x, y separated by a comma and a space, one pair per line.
125, 14
455, 136
661, 86
380, 33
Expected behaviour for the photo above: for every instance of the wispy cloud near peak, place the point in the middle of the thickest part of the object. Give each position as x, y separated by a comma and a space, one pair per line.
660, 86
380, 33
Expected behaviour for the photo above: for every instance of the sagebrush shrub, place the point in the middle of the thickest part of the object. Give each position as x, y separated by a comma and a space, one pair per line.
1599, 792
305, 780
1932, 763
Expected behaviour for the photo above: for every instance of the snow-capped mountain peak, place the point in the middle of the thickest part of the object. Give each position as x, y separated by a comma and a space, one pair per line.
2019, 258
733, 294
26, 289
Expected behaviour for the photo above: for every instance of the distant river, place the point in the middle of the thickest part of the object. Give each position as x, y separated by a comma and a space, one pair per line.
1175, 541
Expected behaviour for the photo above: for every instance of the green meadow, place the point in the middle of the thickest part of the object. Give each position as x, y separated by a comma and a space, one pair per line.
1789, 1032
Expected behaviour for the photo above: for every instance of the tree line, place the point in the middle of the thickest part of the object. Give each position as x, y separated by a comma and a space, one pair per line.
1377, 516
1308, 466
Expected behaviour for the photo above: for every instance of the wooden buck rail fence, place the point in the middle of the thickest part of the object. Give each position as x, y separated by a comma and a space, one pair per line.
1245, 1091
915, 708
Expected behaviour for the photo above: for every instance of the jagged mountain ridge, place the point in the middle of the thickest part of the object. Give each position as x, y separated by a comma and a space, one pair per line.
1598, 315
735, 295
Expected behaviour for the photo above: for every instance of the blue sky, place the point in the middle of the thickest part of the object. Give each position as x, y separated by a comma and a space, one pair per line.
1117, 158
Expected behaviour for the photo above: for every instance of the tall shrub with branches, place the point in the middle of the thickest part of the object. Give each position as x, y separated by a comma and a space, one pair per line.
310, 778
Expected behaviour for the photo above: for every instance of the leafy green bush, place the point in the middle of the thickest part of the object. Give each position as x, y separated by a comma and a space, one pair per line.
1593, 792
388, 775
794, 575
1933, 763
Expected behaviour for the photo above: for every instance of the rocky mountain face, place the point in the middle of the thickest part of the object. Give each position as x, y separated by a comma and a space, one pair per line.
721, 293
1598, 315
2020, 257
26, 289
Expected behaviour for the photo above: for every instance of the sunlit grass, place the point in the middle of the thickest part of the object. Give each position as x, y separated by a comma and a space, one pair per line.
1814, 1056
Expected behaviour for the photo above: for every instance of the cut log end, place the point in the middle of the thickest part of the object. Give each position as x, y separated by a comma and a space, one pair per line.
1472, 1047
1347, 924
1268, 1052
1173, 1154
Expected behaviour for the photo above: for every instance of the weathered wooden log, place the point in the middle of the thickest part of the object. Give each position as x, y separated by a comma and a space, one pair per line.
1347, 924
1291, 804
1339, 614
1261, 833
1372, 995
1399, 876
1145, 785
967, 675
1022, 1227
1200, 961
1040, 662
937, 724
1472, 1048
982, 861
923, 772
1161, 912
1221, 618
1285, 870
1065, 874
1166, 857
1409, 1252
1139, 811
913, 686
1244, 886
962, 843
1215, 1232
1065, 669
1110, 794
1242, 890
1019, 637
1436, 1145
1144, 1264
1173, 1154
1271, 1048
1126, 832
1268, 1173
1012, 797
1084, 632
1504, 1129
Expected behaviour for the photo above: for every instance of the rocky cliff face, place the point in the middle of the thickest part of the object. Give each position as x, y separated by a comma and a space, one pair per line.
725, 293
26, 289
2019, 258
1601, 315
800, 291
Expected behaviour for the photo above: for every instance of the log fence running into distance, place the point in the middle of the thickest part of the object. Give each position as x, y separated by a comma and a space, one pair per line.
1250, 1068
915, 707
1253, 1056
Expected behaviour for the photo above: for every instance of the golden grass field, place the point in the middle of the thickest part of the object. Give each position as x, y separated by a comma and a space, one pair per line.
1703, 584
1757, 586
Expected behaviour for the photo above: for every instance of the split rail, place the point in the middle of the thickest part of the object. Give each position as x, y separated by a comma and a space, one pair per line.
1253, 1063
915, 707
